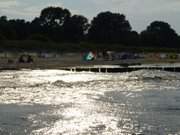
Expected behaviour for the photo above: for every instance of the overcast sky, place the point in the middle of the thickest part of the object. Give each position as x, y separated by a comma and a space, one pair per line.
140, 13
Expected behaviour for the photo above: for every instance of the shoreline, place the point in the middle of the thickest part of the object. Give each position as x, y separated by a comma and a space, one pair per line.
95, 66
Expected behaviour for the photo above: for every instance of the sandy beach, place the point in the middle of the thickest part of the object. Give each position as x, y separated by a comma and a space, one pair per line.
74, 61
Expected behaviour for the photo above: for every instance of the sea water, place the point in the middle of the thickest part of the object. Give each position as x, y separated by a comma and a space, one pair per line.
56, 102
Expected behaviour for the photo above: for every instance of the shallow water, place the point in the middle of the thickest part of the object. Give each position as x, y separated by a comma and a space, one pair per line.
55, 102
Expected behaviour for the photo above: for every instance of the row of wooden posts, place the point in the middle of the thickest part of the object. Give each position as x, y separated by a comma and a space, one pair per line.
120, 69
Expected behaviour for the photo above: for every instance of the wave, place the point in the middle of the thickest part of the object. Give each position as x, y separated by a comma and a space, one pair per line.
154, 75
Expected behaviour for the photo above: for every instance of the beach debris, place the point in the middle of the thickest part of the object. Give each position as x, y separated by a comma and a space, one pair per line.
25, 59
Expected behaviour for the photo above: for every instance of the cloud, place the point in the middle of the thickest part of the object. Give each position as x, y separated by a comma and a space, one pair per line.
7, 3
142, 12
26, 9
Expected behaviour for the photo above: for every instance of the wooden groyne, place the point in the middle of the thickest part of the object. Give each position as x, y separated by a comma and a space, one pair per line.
121, 69
96, 68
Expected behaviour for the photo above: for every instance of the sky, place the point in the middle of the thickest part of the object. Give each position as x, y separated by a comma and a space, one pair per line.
140, 13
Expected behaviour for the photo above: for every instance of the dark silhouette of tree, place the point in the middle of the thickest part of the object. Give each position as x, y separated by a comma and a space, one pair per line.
20, 27
75, 28
14, 29
3, 20
52, 20
54, 16
5, 29
2, 38
36, 27
109, 27
159, 34
39, 37
56, 24
133, 39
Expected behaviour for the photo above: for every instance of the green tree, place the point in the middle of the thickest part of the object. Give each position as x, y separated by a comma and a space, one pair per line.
14, 29
52, 20
75, 28
159, 34
39, 37
133, 39
109, 27
54, 16
20, 28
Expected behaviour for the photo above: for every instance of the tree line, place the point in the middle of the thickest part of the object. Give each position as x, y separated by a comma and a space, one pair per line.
57, 24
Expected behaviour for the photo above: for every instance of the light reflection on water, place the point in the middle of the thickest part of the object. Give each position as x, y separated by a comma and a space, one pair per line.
53, 102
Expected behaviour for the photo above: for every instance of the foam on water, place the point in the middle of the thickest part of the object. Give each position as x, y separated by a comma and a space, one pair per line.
53, 102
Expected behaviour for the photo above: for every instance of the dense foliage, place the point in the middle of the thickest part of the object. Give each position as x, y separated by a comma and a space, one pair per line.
58, 25
160, 34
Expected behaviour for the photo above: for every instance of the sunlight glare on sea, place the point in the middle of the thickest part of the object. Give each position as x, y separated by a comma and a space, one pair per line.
55, 102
